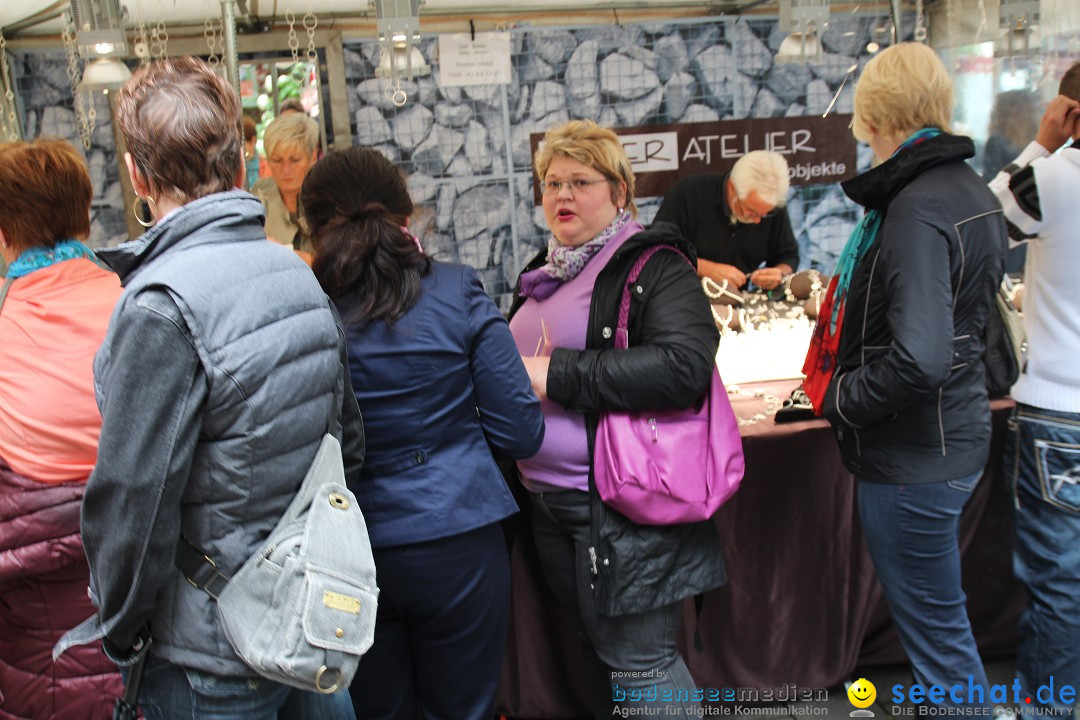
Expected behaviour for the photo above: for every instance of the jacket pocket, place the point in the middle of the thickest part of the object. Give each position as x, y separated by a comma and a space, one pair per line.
395, 464
1059, 473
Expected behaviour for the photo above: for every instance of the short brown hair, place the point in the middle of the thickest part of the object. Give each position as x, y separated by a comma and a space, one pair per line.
45, 193
1070, 83
250, 129
593, 146
181, 123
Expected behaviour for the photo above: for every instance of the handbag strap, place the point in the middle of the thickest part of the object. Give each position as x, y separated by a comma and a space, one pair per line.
4, 290
622, 333
127, 707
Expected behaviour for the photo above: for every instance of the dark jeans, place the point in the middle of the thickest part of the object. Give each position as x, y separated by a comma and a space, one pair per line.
440, 632
634, 656
912, 534
171, 692
1042, 467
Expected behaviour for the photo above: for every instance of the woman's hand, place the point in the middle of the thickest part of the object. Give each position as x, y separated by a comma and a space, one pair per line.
537, 368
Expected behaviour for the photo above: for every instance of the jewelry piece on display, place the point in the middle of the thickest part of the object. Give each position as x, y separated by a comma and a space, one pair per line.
801, 285
135, 212
728, 318
718, 292
772, 404
812, 306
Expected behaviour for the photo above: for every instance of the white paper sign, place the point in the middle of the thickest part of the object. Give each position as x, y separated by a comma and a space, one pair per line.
483, 61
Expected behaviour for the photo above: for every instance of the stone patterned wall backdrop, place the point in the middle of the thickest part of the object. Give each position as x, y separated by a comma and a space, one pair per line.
466, 149
45, 94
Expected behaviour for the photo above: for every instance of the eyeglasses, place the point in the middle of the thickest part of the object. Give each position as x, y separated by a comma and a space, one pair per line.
747, 212
553, 187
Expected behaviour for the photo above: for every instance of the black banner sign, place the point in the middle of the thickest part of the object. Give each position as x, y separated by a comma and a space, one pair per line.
817, 149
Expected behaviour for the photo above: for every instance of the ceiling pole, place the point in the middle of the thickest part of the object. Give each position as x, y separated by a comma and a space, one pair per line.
898, 20
228, 29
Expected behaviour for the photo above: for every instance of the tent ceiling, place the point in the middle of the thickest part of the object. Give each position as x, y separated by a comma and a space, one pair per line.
15, 13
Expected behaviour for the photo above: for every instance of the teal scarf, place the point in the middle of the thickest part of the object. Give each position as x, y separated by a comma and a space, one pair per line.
863, 236
36, 258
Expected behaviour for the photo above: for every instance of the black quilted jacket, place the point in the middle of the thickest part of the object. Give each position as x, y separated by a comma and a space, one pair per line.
673, 342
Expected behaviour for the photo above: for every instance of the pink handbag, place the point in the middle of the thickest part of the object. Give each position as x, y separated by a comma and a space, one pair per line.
665, 467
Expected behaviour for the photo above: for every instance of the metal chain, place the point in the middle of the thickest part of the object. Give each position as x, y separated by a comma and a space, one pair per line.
8, 122
86, 116
920, 22
211, 42
311, 21
159, 41
393, 91
142, 44
952, 22
294, 43
984, 22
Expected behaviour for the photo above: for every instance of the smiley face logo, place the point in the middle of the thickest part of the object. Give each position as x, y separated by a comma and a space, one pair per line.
862, 693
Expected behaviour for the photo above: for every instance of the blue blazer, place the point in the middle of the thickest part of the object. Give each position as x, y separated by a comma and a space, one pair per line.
439, 393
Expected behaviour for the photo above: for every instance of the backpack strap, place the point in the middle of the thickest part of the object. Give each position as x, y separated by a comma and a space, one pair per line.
4, 290
622, 333
199, 568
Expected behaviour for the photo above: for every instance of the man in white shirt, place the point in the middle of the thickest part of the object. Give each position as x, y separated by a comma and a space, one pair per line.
1040, 194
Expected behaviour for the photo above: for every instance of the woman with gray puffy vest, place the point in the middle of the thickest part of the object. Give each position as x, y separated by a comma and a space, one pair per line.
223, 366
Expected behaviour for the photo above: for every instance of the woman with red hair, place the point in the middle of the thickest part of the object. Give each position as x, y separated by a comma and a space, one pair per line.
52, 320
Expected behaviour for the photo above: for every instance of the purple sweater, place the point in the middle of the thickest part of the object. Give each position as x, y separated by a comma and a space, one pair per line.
563, 460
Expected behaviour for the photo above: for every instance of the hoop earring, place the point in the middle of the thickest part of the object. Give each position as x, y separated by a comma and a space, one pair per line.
135, 212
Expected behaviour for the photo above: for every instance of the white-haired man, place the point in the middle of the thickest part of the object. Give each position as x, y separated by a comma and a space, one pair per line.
737, 221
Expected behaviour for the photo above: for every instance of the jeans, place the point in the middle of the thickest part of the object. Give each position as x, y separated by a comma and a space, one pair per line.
171, 692
1042, 468
634, 657
911, 531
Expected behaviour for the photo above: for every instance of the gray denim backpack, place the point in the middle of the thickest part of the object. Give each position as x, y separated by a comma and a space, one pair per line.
301, 611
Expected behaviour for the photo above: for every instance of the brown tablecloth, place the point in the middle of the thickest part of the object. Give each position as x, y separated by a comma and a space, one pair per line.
802, 604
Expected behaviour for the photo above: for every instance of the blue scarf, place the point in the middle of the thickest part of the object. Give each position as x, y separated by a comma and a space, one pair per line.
36, 258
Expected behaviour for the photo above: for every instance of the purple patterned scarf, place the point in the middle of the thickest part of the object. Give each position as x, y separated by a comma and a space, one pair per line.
564, 262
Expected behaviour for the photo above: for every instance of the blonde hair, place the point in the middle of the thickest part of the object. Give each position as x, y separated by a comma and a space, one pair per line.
591, 145
292, 130
764, 171
904, 88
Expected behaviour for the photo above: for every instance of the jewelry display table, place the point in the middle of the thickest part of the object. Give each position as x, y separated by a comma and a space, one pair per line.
802, 604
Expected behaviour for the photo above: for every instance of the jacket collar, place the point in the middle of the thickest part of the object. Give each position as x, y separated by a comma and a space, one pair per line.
721, 197
876, 187
232, 216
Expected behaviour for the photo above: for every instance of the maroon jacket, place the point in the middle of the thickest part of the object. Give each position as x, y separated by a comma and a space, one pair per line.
43, 593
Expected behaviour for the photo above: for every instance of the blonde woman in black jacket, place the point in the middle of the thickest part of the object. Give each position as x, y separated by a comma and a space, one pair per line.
908, 398
621, 583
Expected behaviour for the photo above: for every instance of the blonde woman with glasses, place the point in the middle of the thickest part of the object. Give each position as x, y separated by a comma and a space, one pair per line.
622, 584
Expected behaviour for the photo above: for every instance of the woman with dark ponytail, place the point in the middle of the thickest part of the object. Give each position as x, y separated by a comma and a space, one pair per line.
441, 387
